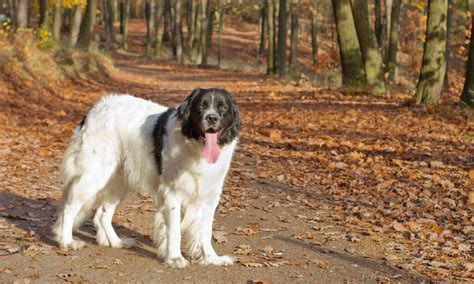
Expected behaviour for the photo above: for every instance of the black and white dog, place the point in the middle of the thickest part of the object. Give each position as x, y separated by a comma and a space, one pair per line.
179, 156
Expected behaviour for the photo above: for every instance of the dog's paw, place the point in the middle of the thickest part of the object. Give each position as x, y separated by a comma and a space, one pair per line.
177, 262
73, 245
102, 240
218, 260
124, 243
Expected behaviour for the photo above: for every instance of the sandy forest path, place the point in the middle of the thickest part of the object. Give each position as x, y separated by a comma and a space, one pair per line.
325, 187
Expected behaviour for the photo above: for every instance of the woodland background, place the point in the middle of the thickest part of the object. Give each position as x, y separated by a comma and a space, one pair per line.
356, 156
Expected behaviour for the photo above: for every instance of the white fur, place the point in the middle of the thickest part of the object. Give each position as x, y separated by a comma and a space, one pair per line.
113, 152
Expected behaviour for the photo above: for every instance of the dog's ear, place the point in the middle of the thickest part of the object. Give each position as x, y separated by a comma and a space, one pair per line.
184, 108
232, 131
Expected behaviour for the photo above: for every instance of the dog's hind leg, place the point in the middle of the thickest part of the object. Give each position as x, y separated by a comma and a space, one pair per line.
81, 192
111, 196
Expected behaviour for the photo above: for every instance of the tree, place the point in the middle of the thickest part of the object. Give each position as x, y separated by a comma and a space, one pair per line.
261, 30
177, 32
76, 24
150, 22
294, 39
108, 16
433, 68
87, 25
57, 21
314, 33
368, 45
282, 34
378, 22
158, 27
44, 13
353, 75
391, 62
467, 97
204, 18
124, 16
220, 21
271, 36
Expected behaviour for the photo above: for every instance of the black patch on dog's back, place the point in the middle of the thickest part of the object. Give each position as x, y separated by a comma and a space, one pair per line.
159, 132
83, 121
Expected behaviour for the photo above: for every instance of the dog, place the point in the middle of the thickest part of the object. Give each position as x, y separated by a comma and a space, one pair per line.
179, 156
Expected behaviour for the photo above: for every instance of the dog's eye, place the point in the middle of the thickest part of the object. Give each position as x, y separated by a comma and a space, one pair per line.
202, 106
222, 107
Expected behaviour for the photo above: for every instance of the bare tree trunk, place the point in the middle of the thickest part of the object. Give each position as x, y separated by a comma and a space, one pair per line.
378, 22
353, 74
261, 31
177, 32
388, 15
271, 37
467, 98
391, 62
22, 14
203, 37
158, 28
448, 40
192, 25
168, 29
314, 33
108, 17
282, 35
368, 45
44, 13
293, 68
87, 25
76, 25
220, 28
431, 78
124, 17
195, 54
57, 21
150, 19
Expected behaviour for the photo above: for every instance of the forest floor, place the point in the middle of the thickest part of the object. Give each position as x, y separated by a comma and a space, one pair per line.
326, 186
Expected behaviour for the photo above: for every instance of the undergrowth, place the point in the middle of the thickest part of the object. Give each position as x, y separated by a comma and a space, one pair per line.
30, 57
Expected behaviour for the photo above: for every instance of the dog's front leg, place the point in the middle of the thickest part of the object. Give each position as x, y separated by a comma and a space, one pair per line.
173, 257
209, 256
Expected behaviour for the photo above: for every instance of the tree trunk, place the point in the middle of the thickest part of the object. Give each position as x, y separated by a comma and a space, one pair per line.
150, 19
271, 37
467, 98
221, 28
261, 30
378, 22
76, 25
57, 21
353, 74
108, 18
388, 15
391, 61
314, 33
22, 14
87, 25
203, 36
196, 43
192, 26
282, 35
124, 17
210, 23
177, 32
44, 13
448, 40
368, 45
168, 22
431, 78
158, 28
293, 66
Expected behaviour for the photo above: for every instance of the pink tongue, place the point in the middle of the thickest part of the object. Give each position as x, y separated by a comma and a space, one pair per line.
211, 149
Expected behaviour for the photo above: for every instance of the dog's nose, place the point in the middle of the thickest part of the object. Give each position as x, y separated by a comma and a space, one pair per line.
212, 118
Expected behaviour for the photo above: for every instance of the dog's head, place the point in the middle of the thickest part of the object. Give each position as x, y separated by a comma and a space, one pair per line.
210, 111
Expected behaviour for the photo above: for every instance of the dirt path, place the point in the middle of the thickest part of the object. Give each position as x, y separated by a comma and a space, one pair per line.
326, 186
